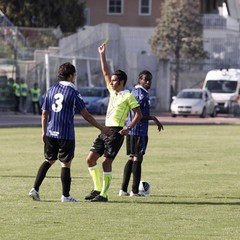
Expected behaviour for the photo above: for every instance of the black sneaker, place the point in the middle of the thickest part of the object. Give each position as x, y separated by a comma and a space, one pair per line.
92, 195
99, 198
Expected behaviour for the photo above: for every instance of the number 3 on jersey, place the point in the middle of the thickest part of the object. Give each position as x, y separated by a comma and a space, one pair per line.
57, 106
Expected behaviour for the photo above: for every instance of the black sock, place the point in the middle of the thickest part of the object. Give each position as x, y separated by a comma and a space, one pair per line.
126, 175
136, 170
42, 171
66, 181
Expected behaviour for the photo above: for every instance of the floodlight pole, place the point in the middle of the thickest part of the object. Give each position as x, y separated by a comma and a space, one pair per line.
47, 71
89, 74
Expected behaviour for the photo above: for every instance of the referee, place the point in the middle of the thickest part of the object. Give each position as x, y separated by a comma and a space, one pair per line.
120, 103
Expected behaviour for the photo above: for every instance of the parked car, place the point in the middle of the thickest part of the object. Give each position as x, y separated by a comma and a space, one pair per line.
95, 98
193, 102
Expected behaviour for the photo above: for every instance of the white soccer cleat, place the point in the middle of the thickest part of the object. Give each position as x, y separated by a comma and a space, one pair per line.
34, 195
69, 199
123, 194
137, 194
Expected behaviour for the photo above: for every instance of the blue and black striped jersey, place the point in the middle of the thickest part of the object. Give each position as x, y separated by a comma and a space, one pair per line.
141, 94
62, 101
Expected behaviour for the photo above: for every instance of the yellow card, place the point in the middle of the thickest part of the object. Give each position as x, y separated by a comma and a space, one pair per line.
106, 41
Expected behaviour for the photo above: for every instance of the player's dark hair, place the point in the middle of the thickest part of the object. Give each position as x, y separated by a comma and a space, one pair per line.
121, 75
65, 70
146, 74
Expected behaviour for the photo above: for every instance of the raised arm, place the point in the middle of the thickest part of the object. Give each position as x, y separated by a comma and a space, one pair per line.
104, 66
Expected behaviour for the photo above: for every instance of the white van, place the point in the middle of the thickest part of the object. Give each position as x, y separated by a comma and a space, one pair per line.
224, 85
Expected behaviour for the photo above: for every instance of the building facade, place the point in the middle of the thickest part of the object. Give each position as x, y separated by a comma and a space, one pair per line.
133, 13
143, 13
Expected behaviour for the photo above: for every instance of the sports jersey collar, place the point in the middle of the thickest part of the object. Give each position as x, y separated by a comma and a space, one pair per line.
67, 84
139, 86
122, 92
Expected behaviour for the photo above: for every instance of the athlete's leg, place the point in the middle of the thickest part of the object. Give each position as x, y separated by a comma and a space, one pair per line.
94, 170
136, 171
41, 174
66, 178
107, 176
127, 174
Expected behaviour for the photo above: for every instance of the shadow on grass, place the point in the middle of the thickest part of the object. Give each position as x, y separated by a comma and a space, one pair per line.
144, 200
180, 203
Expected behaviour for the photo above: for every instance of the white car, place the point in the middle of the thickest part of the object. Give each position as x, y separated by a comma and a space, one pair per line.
196, 101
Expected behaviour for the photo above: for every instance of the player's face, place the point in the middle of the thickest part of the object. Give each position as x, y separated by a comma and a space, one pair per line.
116, 84
145, 82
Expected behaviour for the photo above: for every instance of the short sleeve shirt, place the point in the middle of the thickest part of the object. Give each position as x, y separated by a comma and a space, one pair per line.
62, 101
141, 128
119, 106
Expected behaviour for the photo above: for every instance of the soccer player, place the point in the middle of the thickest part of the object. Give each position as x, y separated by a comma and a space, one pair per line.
61, 103
137, 138
120, 103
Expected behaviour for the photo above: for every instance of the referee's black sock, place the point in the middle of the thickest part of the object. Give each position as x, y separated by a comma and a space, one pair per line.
66, 181
126, 175
42, 171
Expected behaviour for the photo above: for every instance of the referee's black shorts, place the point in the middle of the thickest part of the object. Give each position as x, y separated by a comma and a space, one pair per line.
108, 146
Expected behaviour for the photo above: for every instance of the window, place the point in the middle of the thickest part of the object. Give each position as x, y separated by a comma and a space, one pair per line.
145, 7
115, 6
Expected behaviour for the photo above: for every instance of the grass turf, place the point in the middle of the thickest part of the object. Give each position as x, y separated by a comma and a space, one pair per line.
194, 177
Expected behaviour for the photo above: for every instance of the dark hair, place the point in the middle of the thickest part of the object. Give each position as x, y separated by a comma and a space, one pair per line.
65, 70
146, 73
121, 75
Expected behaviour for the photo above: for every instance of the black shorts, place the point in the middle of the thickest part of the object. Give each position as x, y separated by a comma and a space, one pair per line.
108, 146
59, 149
136, 145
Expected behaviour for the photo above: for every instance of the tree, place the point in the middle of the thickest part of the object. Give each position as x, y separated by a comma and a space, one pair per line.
178, 34
66, 14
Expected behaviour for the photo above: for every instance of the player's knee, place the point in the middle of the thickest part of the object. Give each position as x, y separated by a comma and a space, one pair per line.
51, 161
91, 161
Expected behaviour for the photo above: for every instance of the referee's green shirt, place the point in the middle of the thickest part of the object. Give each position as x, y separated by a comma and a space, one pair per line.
119, 106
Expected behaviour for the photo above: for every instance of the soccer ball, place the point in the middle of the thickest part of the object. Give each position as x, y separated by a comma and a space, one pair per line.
144, 188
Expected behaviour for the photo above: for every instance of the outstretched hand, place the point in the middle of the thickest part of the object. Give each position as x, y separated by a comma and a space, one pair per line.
160, 126
107, 131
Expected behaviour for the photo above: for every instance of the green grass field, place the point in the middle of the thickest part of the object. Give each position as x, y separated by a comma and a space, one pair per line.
194, 172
